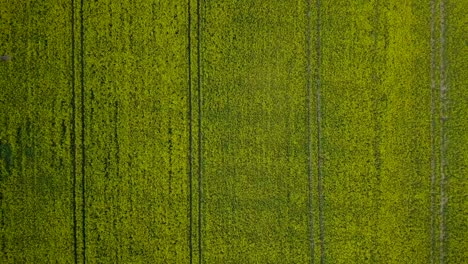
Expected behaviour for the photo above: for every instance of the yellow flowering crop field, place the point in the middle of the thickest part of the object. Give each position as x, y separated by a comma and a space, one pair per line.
229, 131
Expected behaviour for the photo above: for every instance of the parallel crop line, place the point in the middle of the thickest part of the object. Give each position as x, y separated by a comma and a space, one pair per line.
200, 193
319, 133
309, 130
377, 126
73, 132
83, 129
443, 141
433, 128
190, 115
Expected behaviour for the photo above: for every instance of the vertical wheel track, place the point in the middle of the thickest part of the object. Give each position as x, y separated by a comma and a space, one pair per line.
319, 131
309, 131
443, 142
200, 134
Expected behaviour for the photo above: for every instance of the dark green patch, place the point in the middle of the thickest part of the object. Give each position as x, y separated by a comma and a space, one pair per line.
6, 160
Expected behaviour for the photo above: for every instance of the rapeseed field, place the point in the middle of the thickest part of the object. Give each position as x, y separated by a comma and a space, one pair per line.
231, 131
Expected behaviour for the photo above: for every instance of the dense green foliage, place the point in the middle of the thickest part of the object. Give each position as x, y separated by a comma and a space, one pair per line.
36, 216
233, 131
376, 132
457, 132
136, 124
254, 123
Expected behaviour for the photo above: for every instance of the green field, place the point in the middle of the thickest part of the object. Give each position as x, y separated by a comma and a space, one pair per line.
260, 131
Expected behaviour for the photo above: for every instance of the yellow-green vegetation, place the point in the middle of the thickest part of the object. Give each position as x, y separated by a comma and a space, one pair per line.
254, 121
455, 65
376, 138
135, 132
198, 131
36, 215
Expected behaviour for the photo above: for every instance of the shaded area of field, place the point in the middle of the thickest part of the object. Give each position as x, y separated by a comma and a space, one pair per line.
233, 131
